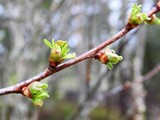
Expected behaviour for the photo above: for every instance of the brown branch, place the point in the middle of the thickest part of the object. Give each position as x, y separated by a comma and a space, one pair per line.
17, 88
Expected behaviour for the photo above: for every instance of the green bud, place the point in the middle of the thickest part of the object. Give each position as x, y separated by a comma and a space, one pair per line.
38, 92
154, 20
113, 58
109, 65
137, 17
108, 57
59, 52
55, 55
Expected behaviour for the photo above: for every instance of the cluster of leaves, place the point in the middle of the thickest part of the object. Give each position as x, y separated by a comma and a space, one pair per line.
59, 51
108, 57
38, 92
137, 17
113, 58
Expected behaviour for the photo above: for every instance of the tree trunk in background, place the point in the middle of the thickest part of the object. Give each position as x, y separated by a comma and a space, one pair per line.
138, 92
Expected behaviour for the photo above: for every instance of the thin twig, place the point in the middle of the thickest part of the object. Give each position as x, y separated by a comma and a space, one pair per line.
128, 85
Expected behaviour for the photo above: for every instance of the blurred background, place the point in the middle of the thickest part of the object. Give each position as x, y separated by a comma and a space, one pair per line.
87, 90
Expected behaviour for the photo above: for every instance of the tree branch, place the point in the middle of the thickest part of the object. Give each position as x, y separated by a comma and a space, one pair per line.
17, 88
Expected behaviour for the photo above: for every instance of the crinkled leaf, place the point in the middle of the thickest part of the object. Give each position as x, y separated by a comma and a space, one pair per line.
37, 102
136, 9
137, 17
72, 55
109, 65
59, 51
36, 86
42, 86
38, 92
145, 17
113, 58
61, 43
42, 95
47, 43
65, 50
34, 89
55, 46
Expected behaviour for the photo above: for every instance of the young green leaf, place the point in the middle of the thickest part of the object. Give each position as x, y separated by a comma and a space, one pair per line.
65, 50
108, 57
109, 65
37, 102
136, 9
72, 55
59, 52
47, 43
38, 92
52, 42
61, 43
136, 16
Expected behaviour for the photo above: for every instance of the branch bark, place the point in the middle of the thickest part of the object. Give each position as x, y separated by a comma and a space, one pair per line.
17, 88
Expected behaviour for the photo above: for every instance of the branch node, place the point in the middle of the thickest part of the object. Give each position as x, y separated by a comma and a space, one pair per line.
52, 68
130, 26
26, 92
